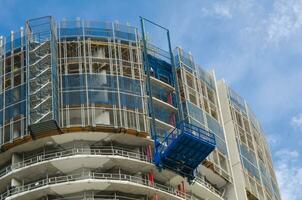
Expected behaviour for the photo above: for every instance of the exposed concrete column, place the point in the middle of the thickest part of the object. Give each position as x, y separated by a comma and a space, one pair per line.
16, 158
236, 192
86, 147
15, 182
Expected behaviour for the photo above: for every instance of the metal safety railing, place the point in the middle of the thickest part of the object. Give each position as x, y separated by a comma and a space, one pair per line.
100, 150
46, 156
202, 181
88, 196
190, 129
96, 176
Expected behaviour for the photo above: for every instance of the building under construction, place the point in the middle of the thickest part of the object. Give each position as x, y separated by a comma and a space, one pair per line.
98, 110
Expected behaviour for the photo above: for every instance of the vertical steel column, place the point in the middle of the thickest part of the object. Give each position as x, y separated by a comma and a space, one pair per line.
60, 73
54, 69
117, 75
2, 61
175, 79
141, 78
147, 69
11, 80
27, 36
86, 110
149, 88
22, 37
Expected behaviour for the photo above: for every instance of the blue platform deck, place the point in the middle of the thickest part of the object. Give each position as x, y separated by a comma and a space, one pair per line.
184, 149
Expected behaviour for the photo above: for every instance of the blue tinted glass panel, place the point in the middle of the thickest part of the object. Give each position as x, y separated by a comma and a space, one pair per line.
74, 98
73, 82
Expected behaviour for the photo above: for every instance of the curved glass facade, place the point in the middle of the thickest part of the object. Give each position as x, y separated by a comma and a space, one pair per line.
101, 76
104, 83
81, 74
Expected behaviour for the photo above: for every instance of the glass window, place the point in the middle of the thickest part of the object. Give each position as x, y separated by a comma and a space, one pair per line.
6, 137
16, 129
131, 102
103, 98
103, 116
223, 162
74, 98
75, 116
73, 82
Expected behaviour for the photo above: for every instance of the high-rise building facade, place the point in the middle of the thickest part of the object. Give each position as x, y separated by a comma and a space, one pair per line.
99, 110
251, 159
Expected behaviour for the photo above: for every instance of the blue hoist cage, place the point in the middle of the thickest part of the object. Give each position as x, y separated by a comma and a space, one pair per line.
184, 149
186, 146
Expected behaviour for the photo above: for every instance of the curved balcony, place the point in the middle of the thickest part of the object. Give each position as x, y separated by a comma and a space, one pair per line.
71, 159
73, 154
103, 151
93, 181
89, 195
201, 181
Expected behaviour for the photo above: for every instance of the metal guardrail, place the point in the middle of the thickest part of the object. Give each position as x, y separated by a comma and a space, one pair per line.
82, 196
203, 182
101, 150
190, 129
95, 176
112, 151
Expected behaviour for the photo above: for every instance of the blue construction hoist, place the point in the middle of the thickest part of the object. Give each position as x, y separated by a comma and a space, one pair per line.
186, 146
184, 149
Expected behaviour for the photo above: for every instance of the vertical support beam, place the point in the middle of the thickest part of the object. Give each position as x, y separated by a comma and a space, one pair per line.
141, 79
174, 74
4, 87
54, 69
86, 72
12, 36
238, 192
60, 63
2, 60
119, 106
16, 158
28, 35
22, 71
149, 88
15, 183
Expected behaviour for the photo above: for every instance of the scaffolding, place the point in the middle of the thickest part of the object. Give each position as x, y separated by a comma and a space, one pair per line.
182, 146
101, 79
13, 89
89, 75
42, 75
92, 76
199, 98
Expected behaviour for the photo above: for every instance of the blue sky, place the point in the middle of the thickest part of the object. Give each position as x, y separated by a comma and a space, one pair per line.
254, 44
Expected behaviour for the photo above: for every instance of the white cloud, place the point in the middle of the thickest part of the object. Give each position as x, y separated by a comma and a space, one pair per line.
289, 174
286, 155
222, 10
217, 10
285, 20
296, 122
273, 139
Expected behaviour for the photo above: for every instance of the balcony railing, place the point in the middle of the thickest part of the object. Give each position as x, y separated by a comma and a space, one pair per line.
112, 151
203, 182
96, 176
89, 196
100, 150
